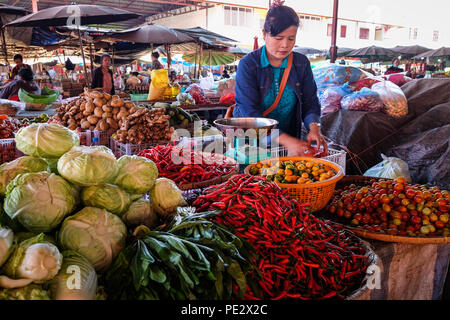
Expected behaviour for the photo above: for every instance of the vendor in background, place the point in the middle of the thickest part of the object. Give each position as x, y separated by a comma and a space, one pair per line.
156, 65
18, 59
24, 81
133, 80
259, 77
102, 76
225, 74
394, 68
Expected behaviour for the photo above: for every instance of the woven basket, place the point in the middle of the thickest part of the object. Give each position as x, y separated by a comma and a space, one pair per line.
362, 181
9, 111
317, 193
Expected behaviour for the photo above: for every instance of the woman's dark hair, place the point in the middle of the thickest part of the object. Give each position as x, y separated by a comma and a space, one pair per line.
135, 73
18, 56
104, 56
26, 74
279, 18
155, 54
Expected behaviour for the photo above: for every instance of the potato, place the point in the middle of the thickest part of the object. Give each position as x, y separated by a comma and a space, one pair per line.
117, 103
112, 123
122, 115
102, 125
123, 109
107, 115
83, 106
115, 97
72, 126
92, 128
129, 104
99, 102
132, 110
98, 112
115, 110
95, 94
86, 113
85, 124
107, 109
107, 96
92, 119
90, 106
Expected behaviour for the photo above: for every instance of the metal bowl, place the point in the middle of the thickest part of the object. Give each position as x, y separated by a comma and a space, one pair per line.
246, 123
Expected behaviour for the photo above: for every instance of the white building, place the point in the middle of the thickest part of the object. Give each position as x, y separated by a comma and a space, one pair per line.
235, 20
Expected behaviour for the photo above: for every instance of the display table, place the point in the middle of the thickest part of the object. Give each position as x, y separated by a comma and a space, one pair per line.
33, 114
410, 271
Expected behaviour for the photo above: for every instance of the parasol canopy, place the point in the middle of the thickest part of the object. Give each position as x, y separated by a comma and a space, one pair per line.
211, 58
13, 10
437, 53
373, 53
410, 50
308, 51
152, 34
60, 16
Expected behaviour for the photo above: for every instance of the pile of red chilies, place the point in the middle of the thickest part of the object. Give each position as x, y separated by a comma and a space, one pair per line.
197, 169
298, 255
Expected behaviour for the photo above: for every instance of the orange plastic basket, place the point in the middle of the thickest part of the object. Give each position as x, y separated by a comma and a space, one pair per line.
317, 193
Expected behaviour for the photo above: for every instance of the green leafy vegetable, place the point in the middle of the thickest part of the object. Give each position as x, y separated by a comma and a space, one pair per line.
136, 174
29, 292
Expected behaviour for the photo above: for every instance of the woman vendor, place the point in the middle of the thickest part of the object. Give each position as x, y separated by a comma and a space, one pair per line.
259, 81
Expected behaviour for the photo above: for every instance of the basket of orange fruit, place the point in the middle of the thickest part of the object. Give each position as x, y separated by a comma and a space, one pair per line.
306, 179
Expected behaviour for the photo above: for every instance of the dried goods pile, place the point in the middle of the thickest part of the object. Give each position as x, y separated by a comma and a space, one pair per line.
8, 126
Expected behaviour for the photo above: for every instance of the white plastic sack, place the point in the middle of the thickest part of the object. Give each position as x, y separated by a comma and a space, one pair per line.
206, 83
390, 168
394, 100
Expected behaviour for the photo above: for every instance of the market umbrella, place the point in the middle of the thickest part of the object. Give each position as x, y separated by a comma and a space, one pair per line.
306, 50
211, 58
152, 34
373, 53
65, 15
255, 43
410, 50
437, 53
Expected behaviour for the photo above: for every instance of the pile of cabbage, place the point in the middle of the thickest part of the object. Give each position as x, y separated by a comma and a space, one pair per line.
66, 211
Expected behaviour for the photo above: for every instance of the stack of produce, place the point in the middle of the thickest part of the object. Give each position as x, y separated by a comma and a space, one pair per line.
94, 110
197, 94
299, 256
43, 118
71, 209
8, 126
395, 208
145, 126
173, 164
302, 171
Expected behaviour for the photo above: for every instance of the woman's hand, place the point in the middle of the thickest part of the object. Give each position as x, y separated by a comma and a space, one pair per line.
315, 136
294, 146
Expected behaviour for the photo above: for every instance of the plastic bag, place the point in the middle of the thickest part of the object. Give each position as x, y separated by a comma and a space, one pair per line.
363, 83
160, 81
206, 83
364, 100
197, 93
335, 75
394, 100
228, 98
390, 168
331, 98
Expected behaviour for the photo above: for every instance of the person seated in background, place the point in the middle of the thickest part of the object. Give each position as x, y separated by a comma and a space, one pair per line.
394, 68
118, 81
18, 59
133, 80
103, 76
24, 81
156, 65
225, 74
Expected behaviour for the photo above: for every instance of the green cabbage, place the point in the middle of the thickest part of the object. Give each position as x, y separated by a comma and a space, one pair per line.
10, 170
52, 164
140, 212
136, 174
34, 259
88, 166
166, 197
6, 244
96, 234
106, 196
39, 201
76, 280
46, 140
30, 292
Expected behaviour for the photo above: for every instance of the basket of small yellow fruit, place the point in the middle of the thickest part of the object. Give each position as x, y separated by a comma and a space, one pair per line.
309, 180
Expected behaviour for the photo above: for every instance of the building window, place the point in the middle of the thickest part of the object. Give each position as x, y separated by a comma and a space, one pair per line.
364, 33
378, 34
435, 35
343, 31
236, 16
329, 29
